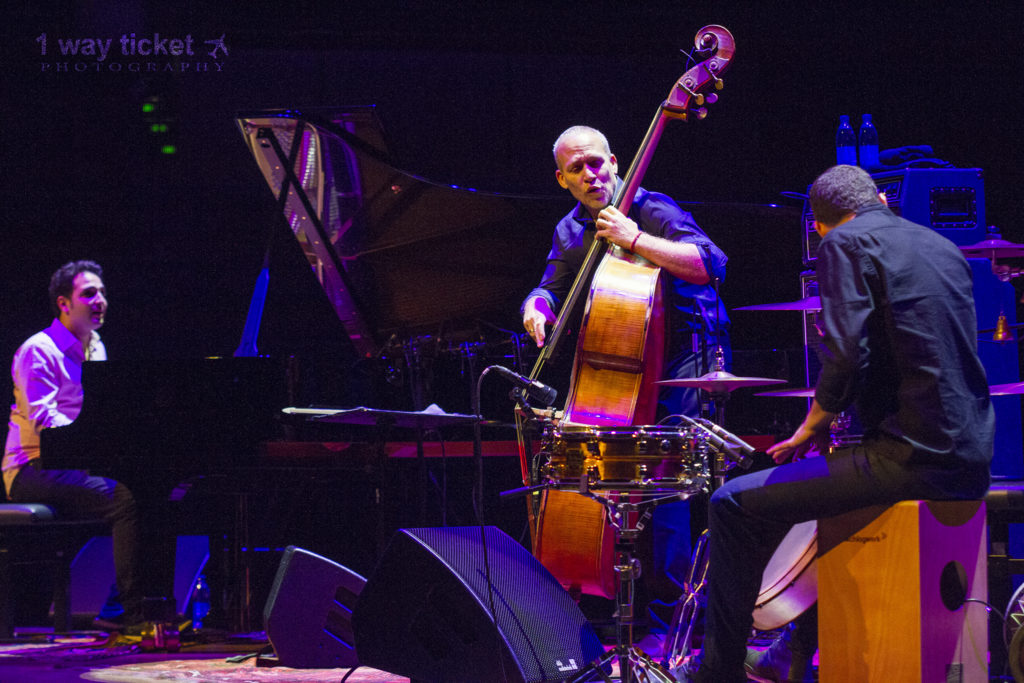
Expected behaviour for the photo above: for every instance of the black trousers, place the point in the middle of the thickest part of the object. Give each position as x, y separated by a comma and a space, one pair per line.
750, 515
77, 495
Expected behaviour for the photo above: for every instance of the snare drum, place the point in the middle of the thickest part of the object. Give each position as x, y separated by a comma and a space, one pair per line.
626, 458
789, 585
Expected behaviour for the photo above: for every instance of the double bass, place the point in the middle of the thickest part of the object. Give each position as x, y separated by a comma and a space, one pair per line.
621, 345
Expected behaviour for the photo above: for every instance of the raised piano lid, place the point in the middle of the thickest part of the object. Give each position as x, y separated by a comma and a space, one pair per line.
394, 252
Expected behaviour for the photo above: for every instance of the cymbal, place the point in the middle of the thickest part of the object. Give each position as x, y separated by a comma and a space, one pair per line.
1011, 389
993, 248
811, 303
718, 381
802, 392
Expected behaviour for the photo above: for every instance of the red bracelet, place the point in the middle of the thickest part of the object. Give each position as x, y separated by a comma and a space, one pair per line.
632, 247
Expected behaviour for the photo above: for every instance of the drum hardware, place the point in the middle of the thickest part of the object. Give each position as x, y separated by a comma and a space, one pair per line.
1006, 273
719, 383
810, 303
634, 663
629, 505
803, 392
789, 583
1002, 332
1010, 389
1005, 324
679, 639
594, 462
992, 248
1013, 634
644, 460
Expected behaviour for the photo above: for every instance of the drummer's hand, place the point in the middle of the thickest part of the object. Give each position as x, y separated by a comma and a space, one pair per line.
804, 442
616, 227
536, 314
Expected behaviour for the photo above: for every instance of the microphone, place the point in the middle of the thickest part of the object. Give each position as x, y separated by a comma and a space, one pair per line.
534, 389
725, 442
733, 442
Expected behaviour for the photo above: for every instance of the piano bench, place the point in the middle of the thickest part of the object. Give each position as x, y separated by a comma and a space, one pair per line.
31, 533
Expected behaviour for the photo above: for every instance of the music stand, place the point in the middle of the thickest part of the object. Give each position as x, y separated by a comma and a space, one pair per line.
433, 417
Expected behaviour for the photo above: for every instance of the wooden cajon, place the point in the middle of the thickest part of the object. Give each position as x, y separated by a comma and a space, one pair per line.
891, 589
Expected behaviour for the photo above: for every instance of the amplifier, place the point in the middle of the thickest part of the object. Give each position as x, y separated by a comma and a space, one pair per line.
812, 338
949, 200
846, 429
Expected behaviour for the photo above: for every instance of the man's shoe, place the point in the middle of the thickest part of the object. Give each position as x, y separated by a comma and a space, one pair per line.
778, 664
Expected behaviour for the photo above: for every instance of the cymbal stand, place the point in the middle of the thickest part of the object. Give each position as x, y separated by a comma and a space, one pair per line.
678, 648
719, 397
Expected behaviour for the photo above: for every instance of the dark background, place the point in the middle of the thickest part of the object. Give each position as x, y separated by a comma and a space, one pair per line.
470, 93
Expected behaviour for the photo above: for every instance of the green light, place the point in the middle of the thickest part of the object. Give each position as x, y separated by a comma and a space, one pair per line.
148, 107
155, 128
169, 149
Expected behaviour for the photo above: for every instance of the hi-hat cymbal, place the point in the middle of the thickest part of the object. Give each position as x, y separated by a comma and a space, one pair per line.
1011, 389
811, 303
993, 248
802, 392
718, 381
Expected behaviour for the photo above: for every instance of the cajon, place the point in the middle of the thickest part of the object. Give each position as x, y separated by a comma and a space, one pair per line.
892, 585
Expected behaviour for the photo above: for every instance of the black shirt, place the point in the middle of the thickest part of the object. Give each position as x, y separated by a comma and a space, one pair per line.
901, 338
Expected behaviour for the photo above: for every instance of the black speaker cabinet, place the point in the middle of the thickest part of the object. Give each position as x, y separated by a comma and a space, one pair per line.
426, 611
308, 616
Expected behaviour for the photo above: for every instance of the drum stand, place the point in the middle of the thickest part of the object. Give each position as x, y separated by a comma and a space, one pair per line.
635, 665
678, 648
679, 639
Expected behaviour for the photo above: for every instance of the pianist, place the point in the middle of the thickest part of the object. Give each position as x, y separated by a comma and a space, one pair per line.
47, 372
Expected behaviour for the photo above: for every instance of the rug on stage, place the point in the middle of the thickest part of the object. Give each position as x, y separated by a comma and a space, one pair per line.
217, 670
110, 660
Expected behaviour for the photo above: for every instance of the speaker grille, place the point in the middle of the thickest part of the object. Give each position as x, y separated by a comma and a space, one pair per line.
426, 611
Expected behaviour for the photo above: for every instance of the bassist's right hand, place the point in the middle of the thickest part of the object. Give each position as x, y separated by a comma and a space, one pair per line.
536, 314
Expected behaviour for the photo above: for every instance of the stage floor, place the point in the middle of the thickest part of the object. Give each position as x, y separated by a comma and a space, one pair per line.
39, 658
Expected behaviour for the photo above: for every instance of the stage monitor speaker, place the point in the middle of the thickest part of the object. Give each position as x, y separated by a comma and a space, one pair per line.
308, 616
426, 611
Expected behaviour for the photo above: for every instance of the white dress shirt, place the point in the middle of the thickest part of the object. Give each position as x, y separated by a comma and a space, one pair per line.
47, 372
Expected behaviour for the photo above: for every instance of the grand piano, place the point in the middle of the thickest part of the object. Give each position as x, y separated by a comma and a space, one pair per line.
153, 424
396, 255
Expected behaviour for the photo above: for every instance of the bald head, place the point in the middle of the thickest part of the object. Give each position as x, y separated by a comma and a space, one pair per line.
576, 132
586, 167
